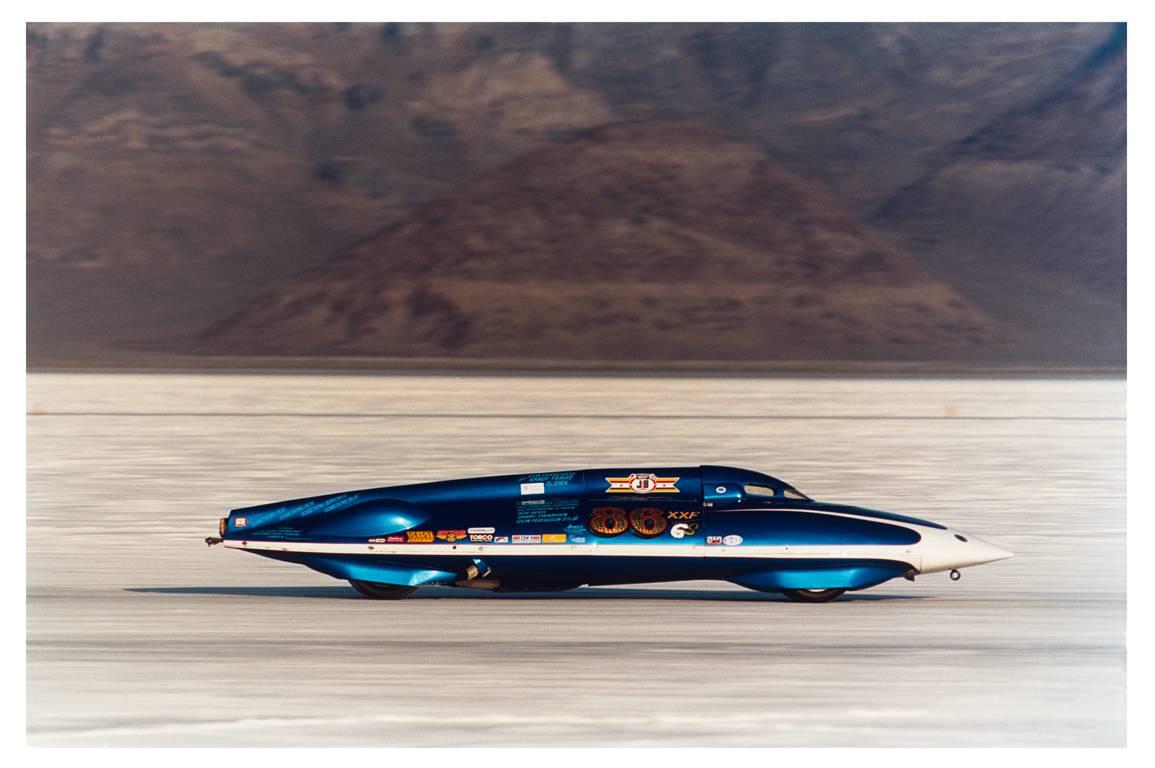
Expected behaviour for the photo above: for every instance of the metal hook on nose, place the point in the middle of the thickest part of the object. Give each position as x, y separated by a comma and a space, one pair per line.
954, 574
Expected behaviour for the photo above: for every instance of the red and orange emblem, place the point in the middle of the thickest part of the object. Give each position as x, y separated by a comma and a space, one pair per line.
642, 482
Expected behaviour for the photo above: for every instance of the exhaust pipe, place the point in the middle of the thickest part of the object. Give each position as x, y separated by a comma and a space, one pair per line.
474, 576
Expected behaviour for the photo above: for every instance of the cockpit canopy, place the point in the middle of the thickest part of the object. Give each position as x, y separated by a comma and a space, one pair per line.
731, 485
761, 491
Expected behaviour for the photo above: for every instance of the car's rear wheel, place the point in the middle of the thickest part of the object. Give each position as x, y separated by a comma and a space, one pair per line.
813, 595
375, 591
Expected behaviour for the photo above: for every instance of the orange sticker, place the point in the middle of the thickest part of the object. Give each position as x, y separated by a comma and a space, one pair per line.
648, 522
687, 514
608, 521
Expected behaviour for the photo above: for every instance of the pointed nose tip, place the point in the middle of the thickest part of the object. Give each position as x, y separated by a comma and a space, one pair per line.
991, 553
998, 553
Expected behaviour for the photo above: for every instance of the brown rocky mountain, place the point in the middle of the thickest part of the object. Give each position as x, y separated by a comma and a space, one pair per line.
636, 241
179, 172
1028, 214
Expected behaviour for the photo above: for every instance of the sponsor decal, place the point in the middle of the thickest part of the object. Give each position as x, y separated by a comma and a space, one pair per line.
527, 538
531, 489
419, 537
720, 489
553, 538
500, 539
713, 539
481, 537
646, 522
549, 479
683, 514
578, 539
546, 514
488, 529
291, 510
732, 540
396, 539
642, 482
682, 530
240, 522
451, 536
376, 541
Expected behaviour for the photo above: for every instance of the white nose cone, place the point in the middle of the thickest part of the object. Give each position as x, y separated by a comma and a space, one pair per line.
946, 550
985, 552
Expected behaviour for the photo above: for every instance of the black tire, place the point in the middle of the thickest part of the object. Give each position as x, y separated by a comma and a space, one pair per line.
813, 595
375, 591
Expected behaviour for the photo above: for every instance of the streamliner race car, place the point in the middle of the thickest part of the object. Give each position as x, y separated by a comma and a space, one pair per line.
561, 530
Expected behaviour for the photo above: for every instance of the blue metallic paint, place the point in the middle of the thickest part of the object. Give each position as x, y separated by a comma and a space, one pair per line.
375, 570
806, 528
709, 501
827, 575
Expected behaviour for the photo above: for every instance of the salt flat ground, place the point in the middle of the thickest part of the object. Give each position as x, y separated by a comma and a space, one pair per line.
140, 635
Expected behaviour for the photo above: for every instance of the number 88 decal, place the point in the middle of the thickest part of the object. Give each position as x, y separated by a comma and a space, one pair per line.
646, 522
608, 521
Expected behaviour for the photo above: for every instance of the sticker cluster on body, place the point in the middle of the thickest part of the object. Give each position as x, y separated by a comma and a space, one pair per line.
604, 522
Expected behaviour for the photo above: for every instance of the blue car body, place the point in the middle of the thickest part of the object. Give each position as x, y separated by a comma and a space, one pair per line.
560, 530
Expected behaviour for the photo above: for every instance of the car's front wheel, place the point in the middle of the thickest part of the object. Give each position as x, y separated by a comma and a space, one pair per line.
813, 595
375, 591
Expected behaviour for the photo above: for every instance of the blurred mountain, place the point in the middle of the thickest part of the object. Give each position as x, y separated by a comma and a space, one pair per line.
651, 241
184, 177
1028, 214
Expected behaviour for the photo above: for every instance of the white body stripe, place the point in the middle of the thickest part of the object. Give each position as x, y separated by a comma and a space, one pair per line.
902, 553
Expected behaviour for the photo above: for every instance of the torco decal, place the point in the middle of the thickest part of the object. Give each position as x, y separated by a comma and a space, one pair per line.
451, 536
419, 537
482, 537
646, 522
682, 530
642, 482
553, 538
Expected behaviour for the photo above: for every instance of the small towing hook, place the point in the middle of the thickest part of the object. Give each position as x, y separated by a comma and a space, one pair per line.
954, 574
211, 540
